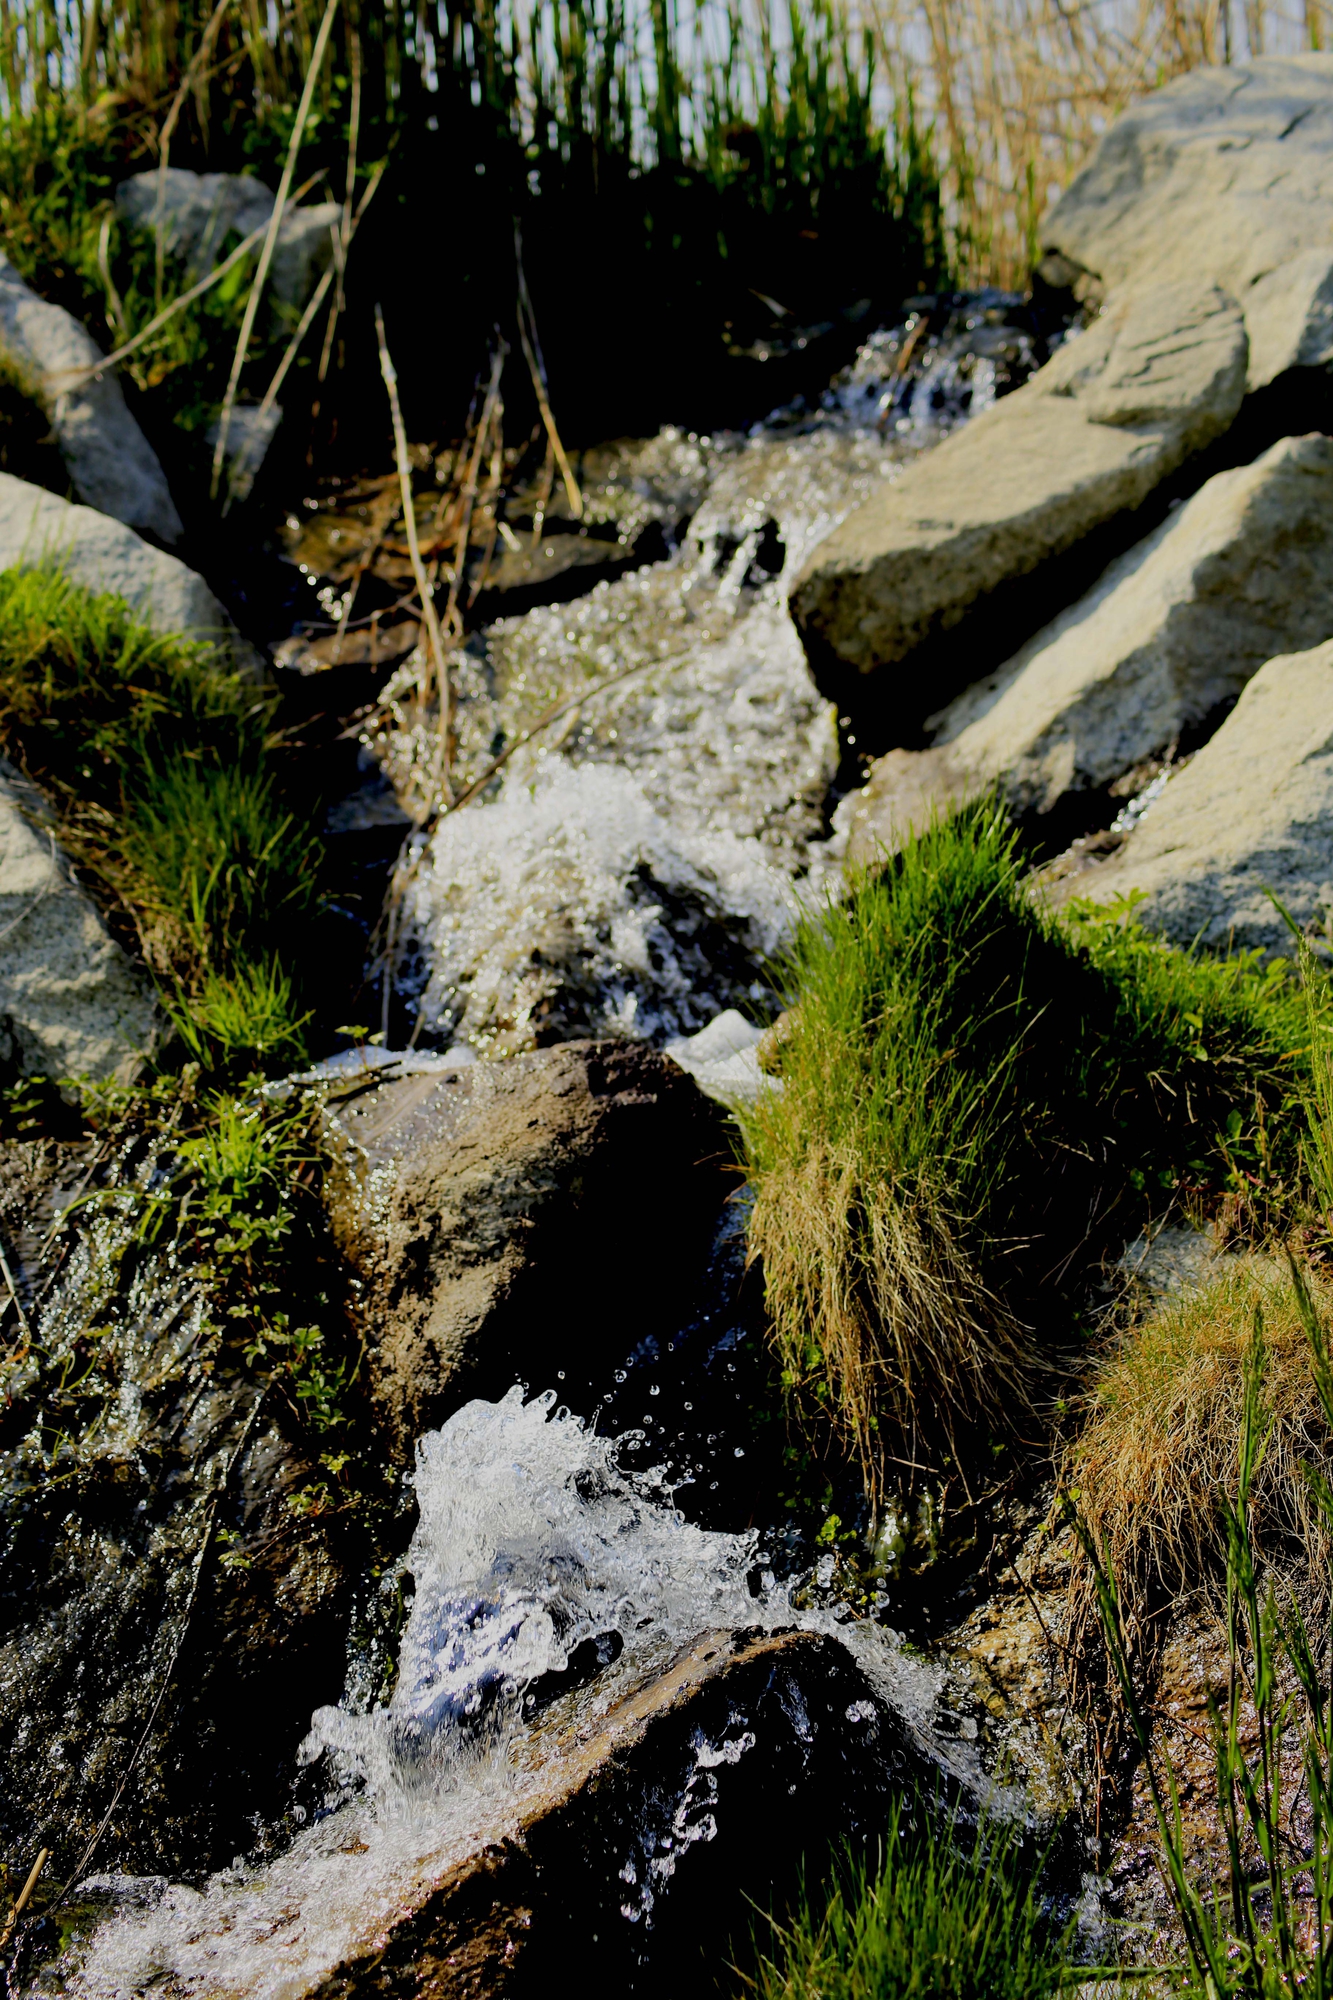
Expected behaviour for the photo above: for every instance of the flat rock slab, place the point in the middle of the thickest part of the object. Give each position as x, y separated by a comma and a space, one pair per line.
71, 1002
1088, 438
1224, 176
109, 460
1174, 630
1252, 813
525, 1219
104, 555
646, 1827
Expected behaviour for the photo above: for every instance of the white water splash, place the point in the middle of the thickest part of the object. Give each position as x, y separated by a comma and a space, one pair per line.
531, 1540
573, 906
562, 903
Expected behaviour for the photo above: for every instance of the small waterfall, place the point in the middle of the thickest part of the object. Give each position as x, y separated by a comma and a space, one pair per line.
533, 1542
630, 867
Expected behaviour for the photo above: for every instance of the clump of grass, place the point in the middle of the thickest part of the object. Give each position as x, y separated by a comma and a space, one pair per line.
1163, 1414
974, 1095
1265, 1931
938, 1916
155, 754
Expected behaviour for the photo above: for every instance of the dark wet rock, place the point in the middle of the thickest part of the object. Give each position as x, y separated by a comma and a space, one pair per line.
167, 1619
748, 1752
526, 1219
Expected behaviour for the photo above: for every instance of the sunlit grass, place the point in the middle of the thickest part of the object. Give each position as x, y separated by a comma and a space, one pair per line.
975, 1098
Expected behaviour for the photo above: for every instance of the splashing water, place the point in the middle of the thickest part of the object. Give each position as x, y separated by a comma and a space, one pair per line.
621, 874
575, 904
531, 1541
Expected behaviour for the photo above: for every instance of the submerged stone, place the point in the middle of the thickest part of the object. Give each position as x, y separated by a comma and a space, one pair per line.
746, 1752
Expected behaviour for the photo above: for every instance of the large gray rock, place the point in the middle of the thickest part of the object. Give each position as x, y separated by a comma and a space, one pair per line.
110, 461
199, 211
573, 1189
1174, 629
1253, 812
1115, 411
101, 554
1225, 176
71, 1002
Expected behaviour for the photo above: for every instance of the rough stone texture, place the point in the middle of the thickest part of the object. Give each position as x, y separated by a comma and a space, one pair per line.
1224, 175
1252, 812
110, 461
1090, 436
102, 554
516, 1217
200, 210
1174, 629
813, 1756
1289, 318
71, 1002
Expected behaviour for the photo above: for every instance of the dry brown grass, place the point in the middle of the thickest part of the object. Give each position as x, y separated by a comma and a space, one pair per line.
1020, 91
1159, 1446
908, 1330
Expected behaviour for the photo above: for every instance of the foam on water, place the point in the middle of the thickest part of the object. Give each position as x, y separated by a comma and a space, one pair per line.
531, 1540
639, 897
574, 905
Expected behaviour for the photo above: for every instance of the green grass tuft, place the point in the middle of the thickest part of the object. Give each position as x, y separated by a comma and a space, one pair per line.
934, 1920
155, 755
976, 1100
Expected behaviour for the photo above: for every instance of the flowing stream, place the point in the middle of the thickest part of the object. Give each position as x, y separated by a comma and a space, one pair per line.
633, 865
532, 1540
625, 872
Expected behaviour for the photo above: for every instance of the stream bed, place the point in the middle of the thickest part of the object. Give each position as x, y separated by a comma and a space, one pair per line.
626, 871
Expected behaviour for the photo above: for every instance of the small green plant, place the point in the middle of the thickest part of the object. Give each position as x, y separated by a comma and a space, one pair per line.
939, 1915
155, 754
975, 1099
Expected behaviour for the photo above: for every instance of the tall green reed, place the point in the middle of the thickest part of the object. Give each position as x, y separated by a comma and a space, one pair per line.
669, 170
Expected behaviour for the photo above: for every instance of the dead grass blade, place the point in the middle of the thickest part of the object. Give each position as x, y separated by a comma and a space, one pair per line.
270, 244
194, 69
428, 611
1158, 1446
908, 1328
532, 354
24, 1896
